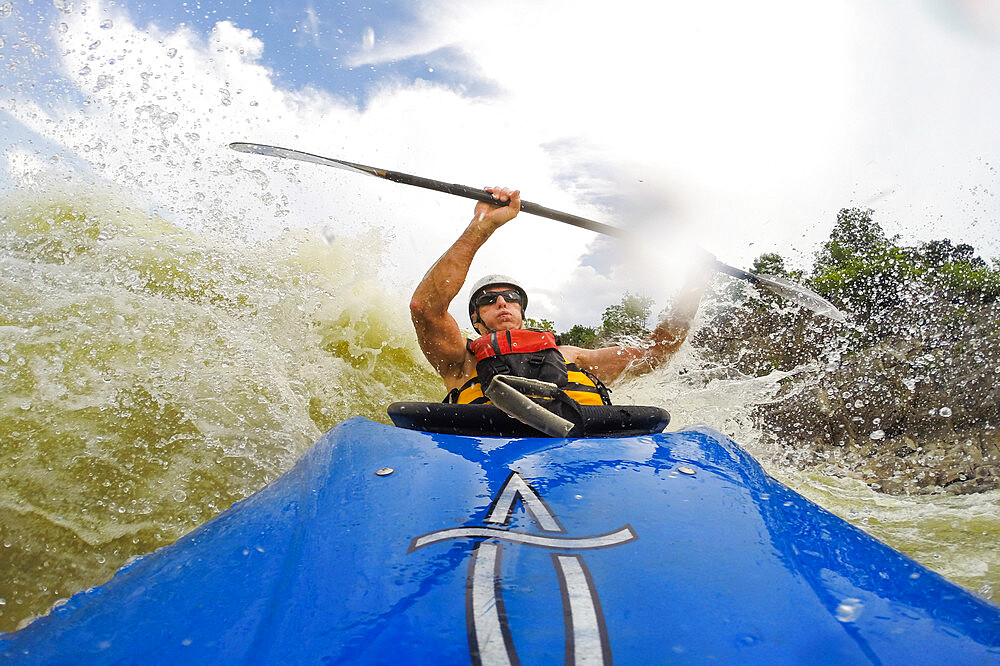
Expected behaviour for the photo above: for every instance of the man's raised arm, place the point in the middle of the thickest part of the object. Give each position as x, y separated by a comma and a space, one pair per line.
438, 333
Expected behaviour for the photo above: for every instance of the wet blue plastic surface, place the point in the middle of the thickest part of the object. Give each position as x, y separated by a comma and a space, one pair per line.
728, 566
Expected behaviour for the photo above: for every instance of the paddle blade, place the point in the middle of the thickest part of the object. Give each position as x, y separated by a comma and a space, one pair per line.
288, 153
799, 295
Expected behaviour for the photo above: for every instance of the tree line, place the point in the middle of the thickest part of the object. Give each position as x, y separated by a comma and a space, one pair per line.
626, 319
866, 273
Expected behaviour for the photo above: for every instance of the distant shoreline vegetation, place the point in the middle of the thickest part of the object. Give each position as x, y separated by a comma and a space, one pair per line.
859, 269
622, 321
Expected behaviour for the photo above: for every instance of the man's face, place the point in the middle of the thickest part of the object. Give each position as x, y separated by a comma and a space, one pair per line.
500, 316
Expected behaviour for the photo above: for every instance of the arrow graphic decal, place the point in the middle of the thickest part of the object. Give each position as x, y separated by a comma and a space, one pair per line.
490, 641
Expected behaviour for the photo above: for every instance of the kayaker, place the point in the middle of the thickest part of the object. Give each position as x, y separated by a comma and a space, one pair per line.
497, 305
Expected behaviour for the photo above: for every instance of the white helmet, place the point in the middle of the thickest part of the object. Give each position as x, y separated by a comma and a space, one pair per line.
494, 280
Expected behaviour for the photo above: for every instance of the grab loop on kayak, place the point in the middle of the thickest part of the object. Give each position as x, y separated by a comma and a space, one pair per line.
510, 395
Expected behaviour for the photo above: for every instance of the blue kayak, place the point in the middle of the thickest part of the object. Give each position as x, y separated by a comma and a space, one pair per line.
385, 545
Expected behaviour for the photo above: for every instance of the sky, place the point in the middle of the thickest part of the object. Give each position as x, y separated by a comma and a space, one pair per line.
740, 127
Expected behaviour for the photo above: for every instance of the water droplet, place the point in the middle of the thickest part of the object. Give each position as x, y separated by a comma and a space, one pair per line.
6, 9
686, 470
65, 6
107, 23
85, 70
63, 28
849, 610
260, 178
179, 495
877, 435
171, 53
945, 412
186, 641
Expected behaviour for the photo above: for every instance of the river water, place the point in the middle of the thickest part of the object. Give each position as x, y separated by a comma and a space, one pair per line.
151, 376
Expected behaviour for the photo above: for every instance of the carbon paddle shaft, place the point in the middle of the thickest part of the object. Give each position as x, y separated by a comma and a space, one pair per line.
735, 272
486, 197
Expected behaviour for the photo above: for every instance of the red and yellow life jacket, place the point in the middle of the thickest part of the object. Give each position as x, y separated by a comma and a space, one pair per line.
526, 353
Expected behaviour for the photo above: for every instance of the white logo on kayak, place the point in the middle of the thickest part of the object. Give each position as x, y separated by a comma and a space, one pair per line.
489, 634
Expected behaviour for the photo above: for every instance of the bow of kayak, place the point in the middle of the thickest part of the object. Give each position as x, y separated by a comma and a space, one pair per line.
390, 544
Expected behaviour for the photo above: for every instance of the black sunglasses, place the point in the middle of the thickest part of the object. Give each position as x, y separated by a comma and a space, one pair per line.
490, 297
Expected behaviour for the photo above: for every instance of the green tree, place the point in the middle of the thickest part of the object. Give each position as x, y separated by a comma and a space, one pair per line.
581, 336
856, 234
626, 319
878, 281
938, 253
541, 324
956, 269
860, 269
769, 263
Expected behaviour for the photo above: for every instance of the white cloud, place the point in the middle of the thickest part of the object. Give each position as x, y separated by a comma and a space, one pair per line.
749, 123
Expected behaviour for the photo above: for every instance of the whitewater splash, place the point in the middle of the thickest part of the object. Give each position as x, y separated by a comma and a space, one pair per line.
152, 376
